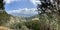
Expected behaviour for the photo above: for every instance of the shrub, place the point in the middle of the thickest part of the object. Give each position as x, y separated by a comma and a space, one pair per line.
33, 24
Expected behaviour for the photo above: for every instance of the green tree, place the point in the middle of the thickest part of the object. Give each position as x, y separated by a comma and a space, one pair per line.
4, 17
48, 12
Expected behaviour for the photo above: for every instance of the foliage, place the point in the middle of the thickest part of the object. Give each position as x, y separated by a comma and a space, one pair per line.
1, 4
4, 17
33, 25
48, 12
24, 28
15, 26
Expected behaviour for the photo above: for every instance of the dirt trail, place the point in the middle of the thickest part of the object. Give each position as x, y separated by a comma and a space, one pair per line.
4, 28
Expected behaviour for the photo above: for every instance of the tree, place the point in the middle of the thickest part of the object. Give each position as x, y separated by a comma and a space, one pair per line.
4, 17
48, 11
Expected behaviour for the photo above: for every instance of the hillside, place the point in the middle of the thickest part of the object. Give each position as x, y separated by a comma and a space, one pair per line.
4, 17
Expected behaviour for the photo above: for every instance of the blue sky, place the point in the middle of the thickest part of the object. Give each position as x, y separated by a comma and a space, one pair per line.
21, 7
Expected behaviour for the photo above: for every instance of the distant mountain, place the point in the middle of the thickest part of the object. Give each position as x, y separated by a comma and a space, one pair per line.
32, 17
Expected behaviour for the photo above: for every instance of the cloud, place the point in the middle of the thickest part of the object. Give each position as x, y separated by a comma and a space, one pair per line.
24, 11
10, 1
35, 2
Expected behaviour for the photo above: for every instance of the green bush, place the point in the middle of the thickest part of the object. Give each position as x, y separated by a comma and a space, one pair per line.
15, 26
33, 25
4, 17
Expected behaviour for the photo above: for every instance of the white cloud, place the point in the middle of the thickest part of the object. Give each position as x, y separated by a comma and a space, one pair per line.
25, 11
35, 2
10, 1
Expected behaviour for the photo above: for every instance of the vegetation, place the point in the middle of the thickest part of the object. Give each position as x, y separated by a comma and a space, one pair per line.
33, 25
4, 17
48, 14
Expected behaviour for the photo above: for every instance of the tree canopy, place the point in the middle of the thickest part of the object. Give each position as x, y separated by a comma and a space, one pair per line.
49, 13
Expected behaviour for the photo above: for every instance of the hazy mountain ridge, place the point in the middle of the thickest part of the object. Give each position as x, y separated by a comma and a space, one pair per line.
14, 19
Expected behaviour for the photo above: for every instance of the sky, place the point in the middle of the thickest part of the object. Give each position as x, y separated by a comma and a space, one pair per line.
21, 7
